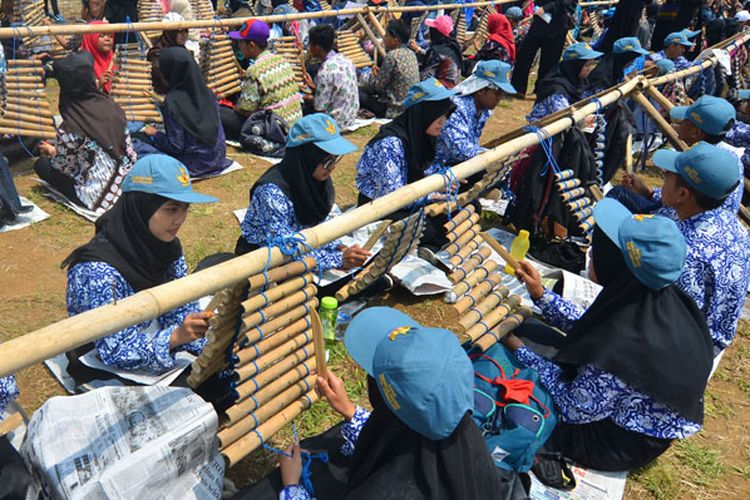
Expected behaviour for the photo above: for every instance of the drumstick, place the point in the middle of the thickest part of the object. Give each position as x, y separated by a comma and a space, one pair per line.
320, 349
493, 243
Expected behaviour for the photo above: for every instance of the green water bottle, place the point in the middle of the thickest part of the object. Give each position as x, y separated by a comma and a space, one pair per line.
329, 309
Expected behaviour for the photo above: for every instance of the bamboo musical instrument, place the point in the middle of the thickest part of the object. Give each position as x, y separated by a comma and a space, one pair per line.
502, 329
496, 246
320, 349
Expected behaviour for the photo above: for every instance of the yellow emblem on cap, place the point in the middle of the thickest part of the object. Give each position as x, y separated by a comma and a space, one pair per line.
302, 137
693, 174
330, 127
507, 75
389, 393
141, 179
634, 253
183, 177
401, 330
642, 217
438, 83
628, 46
695, 116
417, 95
490, 74
588, 47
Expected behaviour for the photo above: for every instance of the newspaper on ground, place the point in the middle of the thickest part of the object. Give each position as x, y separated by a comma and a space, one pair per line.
420, 277
25, 220
182, 360
125, 443
590, 485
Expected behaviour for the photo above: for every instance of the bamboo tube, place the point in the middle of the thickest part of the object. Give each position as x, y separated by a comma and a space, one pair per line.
463, 227
279, 292
10, 423
11, 120
279, 307
462, 240
371, 35
281, 273
246, 355
24, 132
665, 127
376, 23
457, 219
476, 259
230, 434
375, 236
259, 332
46, 342
263, 378
502, 329
320, 348
480, 310
660, 98
459, 257
572, 194
247, 444
21, 62
492, 319
596, 193
235, 78
568, 184
477, 293
464, 286
629, 154
13, 85
250, 370
496, 246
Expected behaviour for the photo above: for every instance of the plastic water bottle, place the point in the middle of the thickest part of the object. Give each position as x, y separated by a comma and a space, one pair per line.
328, 311
342, 322
518, 248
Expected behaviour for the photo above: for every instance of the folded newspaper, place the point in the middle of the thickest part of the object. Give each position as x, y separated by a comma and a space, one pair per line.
125, 443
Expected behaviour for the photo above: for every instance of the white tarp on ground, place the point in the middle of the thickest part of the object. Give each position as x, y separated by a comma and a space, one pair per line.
126, 443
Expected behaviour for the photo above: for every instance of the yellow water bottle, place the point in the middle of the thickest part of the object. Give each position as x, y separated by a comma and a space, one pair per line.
518, 248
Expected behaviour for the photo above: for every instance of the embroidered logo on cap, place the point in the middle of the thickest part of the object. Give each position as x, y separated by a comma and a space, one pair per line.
141, 179
587, 46
183, 177
634, 253
401, 330
417, 96
693, 174
438, 83
695, 116
629, 46
389, 393
642, 217
490, 74
330, 127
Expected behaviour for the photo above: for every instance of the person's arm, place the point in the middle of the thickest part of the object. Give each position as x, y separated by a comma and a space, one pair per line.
558, 312
550, 104
589, 397
70, 154
177, 316
456, 139
8, 391
172, 140
96, 284
739, 135
333, 390
380, 83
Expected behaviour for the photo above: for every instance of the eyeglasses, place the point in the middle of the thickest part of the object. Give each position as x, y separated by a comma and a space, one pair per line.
330, 162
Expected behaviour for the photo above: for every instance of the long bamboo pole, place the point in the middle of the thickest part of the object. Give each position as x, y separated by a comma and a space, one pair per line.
660, 121
78, 29
75, 331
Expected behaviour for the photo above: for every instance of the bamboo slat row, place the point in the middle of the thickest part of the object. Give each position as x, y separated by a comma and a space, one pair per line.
288, 48
132, 87
219, 65
26, 110
348, 44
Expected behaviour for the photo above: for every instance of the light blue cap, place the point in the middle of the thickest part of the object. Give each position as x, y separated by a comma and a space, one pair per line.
423, 374
427, 90
629, 44
652, 245
679, 37
323, 131
497, 73
712, 115
744, 94
665, 66
690, 33
607, 13
165, 176
515, 13
580, 50
704, 167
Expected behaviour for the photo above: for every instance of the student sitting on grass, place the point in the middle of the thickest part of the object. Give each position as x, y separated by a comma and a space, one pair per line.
136, 248
631, 371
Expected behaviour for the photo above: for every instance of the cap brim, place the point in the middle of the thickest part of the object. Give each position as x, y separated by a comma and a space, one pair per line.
594, 54
744, 94
368, 328
679, 113
338, 146
609, 214
691, 34
235, 35
506, 87
686, 44
665, 159
642, 51
190, 197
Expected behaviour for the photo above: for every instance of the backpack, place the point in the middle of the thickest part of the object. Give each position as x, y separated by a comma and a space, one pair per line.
264, 133
515, 413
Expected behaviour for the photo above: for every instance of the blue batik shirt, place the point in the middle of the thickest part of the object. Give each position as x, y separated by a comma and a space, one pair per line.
271, 214
382, 168
8, 391
680, 62
739, 137
459, 139
717, 268
350, 432
144, 346
550, 104
595, 394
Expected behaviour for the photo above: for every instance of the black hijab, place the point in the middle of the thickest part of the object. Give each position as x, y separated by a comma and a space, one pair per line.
188, 98
312, 199
391, 461
563, 79
124, 241
86, 110
656, 341
410, 127
608, 72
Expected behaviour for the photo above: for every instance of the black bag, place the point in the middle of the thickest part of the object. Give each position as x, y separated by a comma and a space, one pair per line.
264, 133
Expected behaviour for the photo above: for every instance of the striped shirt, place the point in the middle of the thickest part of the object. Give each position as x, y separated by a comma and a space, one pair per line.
269, 84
